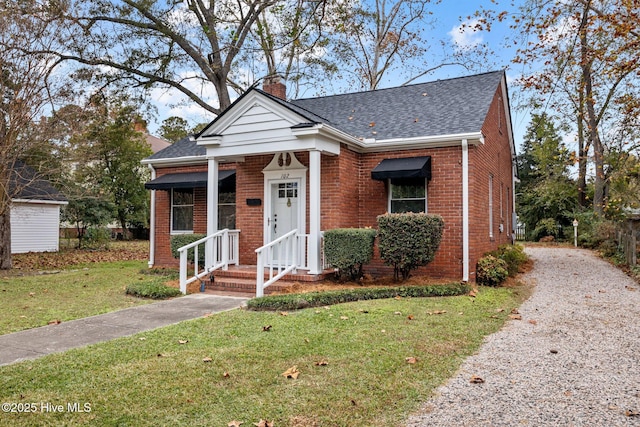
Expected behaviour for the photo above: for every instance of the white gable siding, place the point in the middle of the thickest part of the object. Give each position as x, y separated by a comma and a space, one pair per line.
258, 124
34, 227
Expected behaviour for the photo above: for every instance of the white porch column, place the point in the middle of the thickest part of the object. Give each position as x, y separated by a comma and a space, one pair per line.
152, 222
315, 263
212, 207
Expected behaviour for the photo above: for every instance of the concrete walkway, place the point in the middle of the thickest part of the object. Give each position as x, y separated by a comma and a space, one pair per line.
37, 342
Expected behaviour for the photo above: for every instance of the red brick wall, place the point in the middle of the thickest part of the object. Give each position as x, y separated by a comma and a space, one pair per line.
491, 158
351, 198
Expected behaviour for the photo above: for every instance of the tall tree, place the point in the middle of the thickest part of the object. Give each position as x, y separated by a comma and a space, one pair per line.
113, 153
589, 49
24, 92
548, 197
174, 128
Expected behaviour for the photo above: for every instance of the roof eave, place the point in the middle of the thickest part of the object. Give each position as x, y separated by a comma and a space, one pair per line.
176, 161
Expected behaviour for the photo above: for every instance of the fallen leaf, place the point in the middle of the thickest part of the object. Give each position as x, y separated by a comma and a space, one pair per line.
533, 322
32, 294
631, 288
411, 360
372, 124
410, 317
397, 313
183, 341
383, 331
515, 317
207, 359
263, 423
160, 355
436, 312
353, 402
476, 380
142, 338
588, 296
234, 423
307, 340
266, 328
397, 297
284, 313
344, 318
514, 311
499, 310
602, 291
291, 373
553, 351
207, 315
225, 374
460, 314
321, 363
631, 413
55, 322
473, 293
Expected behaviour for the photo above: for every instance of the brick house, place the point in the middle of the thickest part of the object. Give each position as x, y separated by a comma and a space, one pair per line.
267, 166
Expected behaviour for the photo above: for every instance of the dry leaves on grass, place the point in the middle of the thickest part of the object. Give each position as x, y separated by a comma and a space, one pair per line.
263, 423
291, 373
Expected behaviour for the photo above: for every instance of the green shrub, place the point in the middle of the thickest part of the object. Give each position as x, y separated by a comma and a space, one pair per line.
545, 227
153, 290
491, 271
408, 240
181, 240
513, 256
319, 299
96, 238
348, 249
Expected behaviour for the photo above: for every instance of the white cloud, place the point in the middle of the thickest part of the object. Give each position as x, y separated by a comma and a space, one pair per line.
466, 35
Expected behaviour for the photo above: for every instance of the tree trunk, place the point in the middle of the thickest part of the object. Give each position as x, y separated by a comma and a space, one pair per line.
5, 240
583, 151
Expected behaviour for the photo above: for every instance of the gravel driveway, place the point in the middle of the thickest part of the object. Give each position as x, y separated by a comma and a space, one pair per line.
573, 359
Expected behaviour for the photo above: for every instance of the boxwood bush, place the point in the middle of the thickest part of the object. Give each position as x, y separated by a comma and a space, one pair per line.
408, 240
181, 240
155, 290
348, 249
319, 299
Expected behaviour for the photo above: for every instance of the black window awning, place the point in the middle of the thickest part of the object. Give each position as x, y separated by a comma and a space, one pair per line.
189, 180
411, 167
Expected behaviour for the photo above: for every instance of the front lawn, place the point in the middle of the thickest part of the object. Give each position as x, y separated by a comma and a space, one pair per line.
84, 290
366, 363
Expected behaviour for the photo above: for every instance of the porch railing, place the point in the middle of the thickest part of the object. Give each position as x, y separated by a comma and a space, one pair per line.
280, 257
221, 249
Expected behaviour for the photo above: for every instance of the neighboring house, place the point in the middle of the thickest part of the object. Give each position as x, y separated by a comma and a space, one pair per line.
35, 212
266, 166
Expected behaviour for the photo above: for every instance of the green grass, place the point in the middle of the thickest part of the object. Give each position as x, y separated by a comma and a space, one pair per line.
84, 290
150, 379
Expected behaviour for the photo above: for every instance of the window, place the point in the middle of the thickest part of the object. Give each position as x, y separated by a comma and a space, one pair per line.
491, 206
407, 195
182, 210
227, 211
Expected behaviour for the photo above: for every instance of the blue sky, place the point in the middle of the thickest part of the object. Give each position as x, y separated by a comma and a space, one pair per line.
448, 16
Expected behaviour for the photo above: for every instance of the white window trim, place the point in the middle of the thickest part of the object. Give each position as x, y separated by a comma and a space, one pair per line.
490, 206
426, 196
178, 232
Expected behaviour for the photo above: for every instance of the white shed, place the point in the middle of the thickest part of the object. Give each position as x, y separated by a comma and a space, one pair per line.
35, 212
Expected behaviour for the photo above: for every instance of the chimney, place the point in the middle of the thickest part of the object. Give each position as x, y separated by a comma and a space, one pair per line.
273, 85
140, 125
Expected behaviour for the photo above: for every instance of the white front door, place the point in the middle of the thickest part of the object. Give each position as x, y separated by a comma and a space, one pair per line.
285, 208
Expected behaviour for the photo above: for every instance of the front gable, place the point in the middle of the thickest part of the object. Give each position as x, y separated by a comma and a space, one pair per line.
257, 124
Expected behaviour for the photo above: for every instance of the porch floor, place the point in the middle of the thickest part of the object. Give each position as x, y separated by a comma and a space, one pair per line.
241, 280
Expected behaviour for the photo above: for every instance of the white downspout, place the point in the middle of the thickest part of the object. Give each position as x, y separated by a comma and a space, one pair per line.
152, 222
465, 210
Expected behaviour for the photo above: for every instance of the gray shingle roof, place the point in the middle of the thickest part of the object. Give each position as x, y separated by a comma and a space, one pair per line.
25, 184
442, 107
182, 148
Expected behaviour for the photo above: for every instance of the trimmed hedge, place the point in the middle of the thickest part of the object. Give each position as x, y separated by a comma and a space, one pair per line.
408, 240
348, 249
320, 299
181, 240
153, 290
